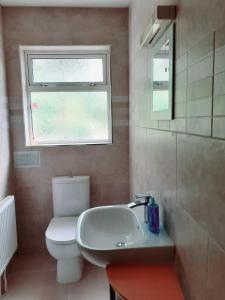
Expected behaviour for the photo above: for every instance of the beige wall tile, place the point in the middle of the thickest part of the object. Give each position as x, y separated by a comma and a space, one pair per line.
5, 159
201, 49
191, 244
216, 287
219, 36
219, 84
181, 63
164, 125
219, 60
201, 70
181, 87
219, 105
200, 89
180, 110
107, 165
199, 107
219, 127
200, 125
178, 124
191, 193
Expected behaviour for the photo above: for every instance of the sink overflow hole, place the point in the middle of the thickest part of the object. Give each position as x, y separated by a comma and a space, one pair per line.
121, 244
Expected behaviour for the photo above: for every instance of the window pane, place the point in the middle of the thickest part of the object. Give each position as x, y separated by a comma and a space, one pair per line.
160, 100
68, 117
160, 69
67, 70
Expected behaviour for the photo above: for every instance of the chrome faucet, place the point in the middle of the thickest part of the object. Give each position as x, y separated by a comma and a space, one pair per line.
138, 202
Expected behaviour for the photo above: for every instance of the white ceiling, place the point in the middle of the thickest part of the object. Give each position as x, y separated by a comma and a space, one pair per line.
71, 3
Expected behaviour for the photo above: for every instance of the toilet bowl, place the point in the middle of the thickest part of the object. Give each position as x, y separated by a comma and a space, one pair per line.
61, 244
70, 195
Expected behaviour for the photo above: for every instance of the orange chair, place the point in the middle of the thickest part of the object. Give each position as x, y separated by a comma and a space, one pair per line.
143, 282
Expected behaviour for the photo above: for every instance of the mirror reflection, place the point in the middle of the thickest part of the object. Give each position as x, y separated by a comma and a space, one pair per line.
161, 78
162, 81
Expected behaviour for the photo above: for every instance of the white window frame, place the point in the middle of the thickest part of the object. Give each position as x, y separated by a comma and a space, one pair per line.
28, 86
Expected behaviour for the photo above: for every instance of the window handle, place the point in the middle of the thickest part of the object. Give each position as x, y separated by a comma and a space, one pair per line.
92, 84
44, 84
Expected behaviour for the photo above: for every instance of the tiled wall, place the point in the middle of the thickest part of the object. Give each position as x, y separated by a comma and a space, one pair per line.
107, 165
4, 125
219, 86
183, 160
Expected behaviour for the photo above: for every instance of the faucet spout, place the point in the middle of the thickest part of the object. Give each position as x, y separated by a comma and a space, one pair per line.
136, 203
144, 202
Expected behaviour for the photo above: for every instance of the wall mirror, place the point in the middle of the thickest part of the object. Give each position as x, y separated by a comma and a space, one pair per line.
162, 79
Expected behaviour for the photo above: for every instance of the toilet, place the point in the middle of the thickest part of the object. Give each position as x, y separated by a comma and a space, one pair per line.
71, 196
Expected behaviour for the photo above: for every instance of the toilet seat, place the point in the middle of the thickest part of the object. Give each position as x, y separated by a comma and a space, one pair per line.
62, 230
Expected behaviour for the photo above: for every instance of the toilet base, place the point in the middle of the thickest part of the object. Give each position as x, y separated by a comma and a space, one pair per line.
69, 270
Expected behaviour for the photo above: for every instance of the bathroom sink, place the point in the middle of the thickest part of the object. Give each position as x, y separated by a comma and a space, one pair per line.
115, 234
109, 227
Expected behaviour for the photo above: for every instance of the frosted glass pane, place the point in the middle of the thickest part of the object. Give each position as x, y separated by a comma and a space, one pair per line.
64, 117
160, 100
67, 70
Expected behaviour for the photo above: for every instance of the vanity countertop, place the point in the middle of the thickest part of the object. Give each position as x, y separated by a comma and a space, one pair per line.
145, 282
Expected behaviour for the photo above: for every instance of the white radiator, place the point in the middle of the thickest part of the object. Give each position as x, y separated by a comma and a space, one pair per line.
8, 235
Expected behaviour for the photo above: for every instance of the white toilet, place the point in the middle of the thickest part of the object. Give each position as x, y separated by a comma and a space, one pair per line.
71, 196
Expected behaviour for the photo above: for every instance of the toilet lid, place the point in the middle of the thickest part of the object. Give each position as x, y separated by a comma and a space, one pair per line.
62, 230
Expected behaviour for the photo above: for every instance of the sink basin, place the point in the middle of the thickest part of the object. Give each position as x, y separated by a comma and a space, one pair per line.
115, 234
109, 227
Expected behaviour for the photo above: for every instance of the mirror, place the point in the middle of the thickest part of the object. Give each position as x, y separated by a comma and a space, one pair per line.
162, 76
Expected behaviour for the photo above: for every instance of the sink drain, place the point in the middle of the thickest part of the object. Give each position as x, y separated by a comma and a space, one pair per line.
121, 244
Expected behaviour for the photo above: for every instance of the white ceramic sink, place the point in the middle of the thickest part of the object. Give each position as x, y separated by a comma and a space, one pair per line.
109, 227
115, 234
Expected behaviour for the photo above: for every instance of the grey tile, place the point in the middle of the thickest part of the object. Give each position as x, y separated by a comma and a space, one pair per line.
183, 278
191, 246
219, 84
200, 125
181, 63
201, 49
180, 110
154, 124
200, 89
219, 105
200, 182
219, 127
178, 124
215, 201
164, 125
199, 107
181, 87
220, 37
201, 70
160, 164
189, 182
219, 60
216, 272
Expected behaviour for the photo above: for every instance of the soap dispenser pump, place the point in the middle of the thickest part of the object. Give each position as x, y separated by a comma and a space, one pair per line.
153, 216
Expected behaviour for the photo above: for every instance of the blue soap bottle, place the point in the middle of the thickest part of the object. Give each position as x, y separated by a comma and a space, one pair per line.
153, 216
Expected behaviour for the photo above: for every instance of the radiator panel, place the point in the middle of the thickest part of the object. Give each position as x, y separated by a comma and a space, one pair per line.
8, 234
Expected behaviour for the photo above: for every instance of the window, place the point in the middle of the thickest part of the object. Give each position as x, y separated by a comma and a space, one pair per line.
66, 95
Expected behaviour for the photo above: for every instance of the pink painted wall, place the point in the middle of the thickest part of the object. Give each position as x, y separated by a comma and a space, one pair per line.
4, 124
107, 165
